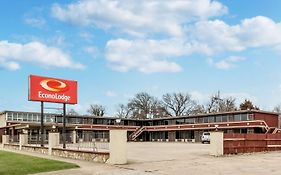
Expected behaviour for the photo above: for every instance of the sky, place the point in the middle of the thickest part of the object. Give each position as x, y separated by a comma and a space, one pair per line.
117, 48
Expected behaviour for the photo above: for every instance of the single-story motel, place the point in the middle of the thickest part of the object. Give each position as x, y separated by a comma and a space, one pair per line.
181, 128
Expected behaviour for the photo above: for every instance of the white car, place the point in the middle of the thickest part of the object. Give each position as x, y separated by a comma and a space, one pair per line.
205, 138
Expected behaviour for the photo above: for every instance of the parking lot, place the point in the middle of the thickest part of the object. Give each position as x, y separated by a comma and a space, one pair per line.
188, 158
181, 158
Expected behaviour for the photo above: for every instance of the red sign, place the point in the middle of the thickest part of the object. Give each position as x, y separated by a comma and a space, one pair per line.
52, 90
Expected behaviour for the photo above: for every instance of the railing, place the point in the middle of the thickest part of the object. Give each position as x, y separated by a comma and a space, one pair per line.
98, 142
14, 139
35, 139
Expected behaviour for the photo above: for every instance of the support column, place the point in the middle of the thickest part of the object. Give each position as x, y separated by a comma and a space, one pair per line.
5, 140
216, 143
23, 140
74, 136
54, 138
118, 147
172, 136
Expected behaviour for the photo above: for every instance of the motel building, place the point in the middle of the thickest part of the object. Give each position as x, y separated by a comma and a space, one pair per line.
173, 129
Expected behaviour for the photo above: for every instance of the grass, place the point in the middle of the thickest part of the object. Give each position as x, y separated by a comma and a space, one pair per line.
18, 164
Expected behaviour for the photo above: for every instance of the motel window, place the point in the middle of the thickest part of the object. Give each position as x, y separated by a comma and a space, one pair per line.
237, 117
79, 120
179, 121
211, 119
19, 117
46, 118
85, 121
218, 118
205, 120
34, 117
243, 117
59, 119
224, 118
90, 120
250, 117
9, 116
24, 117
94, 121
200, 120
230, 118
190, 120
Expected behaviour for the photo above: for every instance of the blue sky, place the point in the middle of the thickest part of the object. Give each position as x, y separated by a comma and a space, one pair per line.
115, 49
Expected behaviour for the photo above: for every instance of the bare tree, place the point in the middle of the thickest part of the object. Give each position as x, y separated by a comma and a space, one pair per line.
248, 105
144, 106
96, 110
218, 104
178, 104
198, 109
214, 104
72, 112
123, 111
227, 104
277, 108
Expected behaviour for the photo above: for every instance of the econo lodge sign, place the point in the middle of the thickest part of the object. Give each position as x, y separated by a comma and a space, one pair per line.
52, 90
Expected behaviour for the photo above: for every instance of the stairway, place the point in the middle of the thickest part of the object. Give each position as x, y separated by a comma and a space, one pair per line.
136, 133
272, 130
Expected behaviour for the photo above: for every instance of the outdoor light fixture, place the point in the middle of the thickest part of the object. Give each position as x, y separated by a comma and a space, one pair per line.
216, 126
118, 120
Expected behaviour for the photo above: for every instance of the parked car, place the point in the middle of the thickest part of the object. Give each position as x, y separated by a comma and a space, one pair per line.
205, 138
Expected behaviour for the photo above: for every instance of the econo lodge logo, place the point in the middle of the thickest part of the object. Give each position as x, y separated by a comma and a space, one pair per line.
54, 85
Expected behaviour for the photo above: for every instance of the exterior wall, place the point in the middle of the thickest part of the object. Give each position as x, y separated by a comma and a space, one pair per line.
270, 119
2, 120
246, 143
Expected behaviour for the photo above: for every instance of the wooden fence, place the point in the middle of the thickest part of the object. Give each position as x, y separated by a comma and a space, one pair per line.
246, 143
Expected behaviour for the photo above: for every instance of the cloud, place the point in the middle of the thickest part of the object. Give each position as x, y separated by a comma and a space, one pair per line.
93, 51
159, 32
146, 56
225, 64
86, 36
138, 17
110, 94
37, 22
34, 52
253, 32
10, 65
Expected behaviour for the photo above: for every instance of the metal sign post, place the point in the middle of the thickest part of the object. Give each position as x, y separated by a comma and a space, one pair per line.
63, 129
42, 124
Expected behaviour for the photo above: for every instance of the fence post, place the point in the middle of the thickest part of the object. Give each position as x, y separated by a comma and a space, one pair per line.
5, 140
54, 139
118, 147
216, 143
23, 140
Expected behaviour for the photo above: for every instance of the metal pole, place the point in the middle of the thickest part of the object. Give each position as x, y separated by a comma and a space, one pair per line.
63, 129
42, 124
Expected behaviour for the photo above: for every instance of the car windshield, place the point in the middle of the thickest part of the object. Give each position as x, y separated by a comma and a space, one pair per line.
206, 133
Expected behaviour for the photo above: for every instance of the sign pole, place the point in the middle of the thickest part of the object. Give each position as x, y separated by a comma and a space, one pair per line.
42, 124
63, 129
